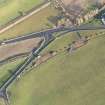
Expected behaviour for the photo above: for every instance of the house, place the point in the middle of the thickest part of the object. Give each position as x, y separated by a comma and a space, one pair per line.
76, 10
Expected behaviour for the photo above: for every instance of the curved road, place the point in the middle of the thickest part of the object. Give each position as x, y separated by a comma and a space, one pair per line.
48, 37
54, 30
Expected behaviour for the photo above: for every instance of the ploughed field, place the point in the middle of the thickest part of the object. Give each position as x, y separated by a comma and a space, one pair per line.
34, 23
18, 48
65, 79
81, 3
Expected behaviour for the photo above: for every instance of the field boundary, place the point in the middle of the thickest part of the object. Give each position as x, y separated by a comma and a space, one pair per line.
13, 58
20, 19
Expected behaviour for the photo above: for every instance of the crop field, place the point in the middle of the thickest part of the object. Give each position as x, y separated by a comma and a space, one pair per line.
64, 79
36, 22
76, 79
2, 102
10, 9
18, 48
7, 69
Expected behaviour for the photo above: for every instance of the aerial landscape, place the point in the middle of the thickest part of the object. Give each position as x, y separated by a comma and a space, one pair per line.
52, 52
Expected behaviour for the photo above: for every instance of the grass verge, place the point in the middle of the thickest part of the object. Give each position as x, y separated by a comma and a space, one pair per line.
7, 69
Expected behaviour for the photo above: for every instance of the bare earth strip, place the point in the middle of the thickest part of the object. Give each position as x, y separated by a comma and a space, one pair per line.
18, 48
25, 17
82, 3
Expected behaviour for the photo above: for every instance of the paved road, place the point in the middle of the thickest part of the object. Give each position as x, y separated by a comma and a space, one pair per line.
21, 68
48, 37
54, 30
64, 29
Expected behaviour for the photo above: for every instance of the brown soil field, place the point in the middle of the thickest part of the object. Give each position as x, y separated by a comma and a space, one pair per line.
81, 4
79, 7
17, 48
75, 2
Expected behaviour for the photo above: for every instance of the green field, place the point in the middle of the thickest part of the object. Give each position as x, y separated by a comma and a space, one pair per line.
36, 22
66, 79
2, 102
7, 69
60, 43
9, 9
76, 79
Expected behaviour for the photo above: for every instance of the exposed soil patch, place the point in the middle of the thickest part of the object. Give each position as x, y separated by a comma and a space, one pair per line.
75, 2
43, 58
17, 48
82, 3
79, 6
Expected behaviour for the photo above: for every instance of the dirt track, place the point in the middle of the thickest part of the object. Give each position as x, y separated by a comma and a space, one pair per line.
18, 47
24, 18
